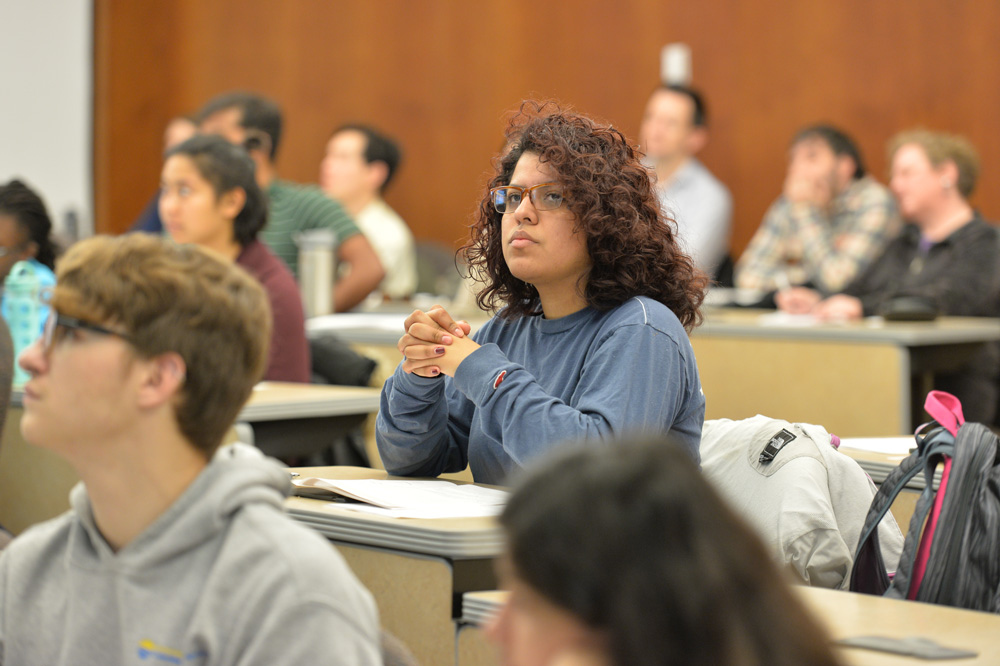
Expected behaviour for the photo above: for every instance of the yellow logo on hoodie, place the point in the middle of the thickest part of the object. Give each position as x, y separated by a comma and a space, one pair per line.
150, 650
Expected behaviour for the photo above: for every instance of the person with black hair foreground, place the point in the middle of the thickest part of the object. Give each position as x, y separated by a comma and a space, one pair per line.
359, 164
595, 299
625, 556
830, 223
209, 197
25, 235
172, 551
674, 129
255, 122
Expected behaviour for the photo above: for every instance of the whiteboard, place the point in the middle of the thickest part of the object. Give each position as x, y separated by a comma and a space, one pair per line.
46, 103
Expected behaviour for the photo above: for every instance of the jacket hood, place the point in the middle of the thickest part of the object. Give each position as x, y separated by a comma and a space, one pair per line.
224, 487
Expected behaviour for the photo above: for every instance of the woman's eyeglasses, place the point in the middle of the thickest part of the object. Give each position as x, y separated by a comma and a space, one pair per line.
544, 196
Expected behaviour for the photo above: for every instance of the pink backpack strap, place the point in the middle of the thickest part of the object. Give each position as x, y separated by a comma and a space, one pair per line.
945, 409
927, 538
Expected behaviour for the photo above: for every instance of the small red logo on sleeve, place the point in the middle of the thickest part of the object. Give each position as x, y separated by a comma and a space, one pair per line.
499, 379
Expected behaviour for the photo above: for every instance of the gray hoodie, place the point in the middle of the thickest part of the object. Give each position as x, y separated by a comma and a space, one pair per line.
221, 577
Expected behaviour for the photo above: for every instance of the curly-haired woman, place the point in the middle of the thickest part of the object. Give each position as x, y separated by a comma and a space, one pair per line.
594, 300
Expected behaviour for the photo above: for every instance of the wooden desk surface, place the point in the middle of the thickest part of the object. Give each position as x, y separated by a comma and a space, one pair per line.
453, 538
386, 328
855, 379
375, 328
274, 401
413, 568
846, 614
942, 331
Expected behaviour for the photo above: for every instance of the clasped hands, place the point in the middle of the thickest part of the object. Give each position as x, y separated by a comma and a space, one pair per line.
802, 300
434, 343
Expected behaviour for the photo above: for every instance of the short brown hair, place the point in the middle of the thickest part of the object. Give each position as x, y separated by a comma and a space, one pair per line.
941, 147
633, 247
181, 299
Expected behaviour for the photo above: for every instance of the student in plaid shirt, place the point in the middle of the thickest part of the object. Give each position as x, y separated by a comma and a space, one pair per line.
828, 225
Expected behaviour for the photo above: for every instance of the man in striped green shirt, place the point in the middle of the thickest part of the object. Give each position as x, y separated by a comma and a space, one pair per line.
255, 123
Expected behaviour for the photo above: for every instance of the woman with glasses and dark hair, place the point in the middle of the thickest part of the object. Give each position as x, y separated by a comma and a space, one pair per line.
594, 299
209, 196
627, 557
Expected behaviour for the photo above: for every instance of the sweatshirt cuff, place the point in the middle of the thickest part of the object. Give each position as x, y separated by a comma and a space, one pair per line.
483, 370
415, 385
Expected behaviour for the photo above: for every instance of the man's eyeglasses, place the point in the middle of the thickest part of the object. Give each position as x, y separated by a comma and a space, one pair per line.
544, 196
58, 325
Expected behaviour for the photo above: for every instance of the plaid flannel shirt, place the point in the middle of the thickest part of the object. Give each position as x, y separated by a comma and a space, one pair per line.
824, 248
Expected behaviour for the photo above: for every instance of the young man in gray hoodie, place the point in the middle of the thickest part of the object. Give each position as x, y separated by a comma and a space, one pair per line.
167, 555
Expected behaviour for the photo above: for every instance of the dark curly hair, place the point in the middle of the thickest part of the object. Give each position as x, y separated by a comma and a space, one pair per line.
632, 246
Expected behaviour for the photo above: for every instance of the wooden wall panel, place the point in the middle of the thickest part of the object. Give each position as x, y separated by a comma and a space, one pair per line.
441, 75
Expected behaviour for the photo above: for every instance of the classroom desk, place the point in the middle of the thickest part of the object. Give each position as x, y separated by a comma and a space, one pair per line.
35, 484
376, 328
844, 614
417, 570
847, 614
291, 420
854, 378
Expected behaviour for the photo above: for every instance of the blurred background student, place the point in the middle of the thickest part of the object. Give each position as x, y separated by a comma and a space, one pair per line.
210, 197
943, 262
6, 378
674, 130
830, 222
625, 556
178, 130
26, 235
359, 164
256, 123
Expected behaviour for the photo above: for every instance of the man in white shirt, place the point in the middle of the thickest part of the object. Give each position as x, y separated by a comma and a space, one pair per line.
358, 167
674, 129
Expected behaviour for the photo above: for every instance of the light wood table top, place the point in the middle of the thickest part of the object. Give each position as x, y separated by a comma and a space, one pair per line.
761, 323
846, 614
274, 401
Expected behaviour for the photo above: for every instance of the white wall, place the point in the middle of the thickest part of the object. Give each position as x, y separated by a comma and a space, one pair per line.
46, 102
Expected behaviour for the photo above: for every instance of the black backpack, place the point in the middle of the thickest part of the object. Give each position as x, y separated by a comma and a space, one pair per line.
951, 555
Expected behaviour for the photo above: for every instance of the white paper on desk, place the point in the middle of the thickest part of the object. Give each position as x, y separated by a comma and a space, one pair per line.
453, 511
350, 321
423, 495
786, 319
887, 445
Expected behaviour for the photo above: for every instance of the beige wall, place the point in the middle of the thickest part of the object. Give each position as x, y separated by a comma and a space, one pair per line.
440, 75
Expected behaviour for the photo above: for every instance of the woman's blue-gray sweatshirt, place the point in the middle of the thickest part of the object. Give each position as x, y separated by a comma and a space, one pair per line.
535, 383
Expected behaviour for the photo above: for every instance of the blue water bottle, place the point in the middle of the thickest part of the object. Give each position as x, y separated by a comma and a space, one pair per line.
22, 310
